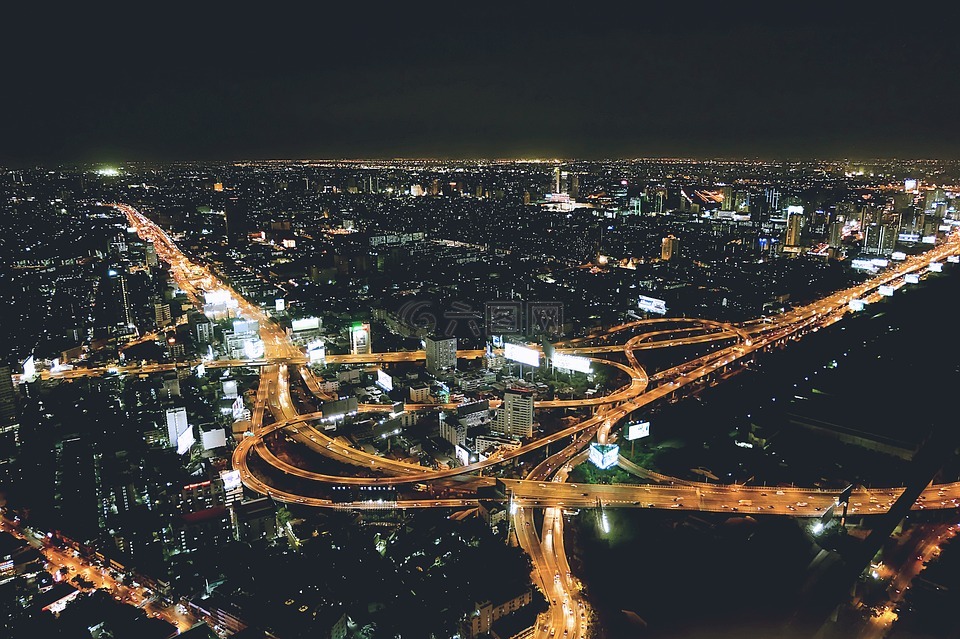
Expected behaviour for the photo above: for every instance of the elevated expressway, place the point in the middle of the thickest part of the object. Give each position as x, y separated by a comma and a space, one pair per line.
538, 491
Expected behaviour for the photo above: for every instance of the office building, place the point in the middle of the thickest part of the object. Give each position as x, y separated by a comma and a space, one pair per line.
515, 416
441, 354
235, 220
670, 249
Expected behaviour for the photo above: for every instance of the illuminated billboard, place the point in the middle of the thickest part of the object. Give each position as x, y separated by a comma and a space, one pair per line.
253, 348
908, 237
280, 304
652, 305
899, 256
638, 431
604, 456
384, 380
909, 184
911, 278
306, 324
879, 261
857, 305
29, 369
231, 479
886, 291
571, 362
936, 267
953, 259
316, 352
863, 265
521, 354
929, 239
794, 210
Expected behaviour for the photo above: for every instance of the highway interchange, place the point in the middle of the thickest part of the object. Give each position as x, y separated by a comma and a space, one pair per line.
545, 486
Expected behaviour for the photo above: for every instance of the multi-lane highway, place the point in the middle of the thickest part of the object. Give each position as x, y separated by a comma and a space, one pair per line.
545, 487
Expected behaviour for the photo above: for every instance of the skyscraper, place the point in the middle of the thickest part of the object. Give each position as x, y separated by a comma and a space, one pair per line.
9, 425
441, 354
515, 416
670, 248
235, 219
794, 228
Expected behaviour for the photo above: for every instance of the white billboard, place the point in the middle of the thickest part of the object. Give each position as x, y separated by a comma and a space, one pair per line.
953, 259
911, 278
384, 380
571, 362
929, 239
185, 440
886, 291
857, 305
253, 348
908, 237
899, 256
652, 305
218, 296
879, 261
604, 456
229, 388
521, 354
231, 479
316, 352
216, 438
863, 265
637, 431
280, 304
794, 210
936, 267
909, 184
306, 324
29, 369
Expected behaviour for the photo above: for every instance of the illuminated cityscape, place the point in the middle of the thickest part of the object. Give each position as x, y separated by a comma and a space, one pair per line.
528, 378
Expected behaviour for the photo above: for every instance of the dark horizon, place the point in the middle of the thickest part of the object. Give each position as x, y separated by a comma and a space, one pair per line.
554, 81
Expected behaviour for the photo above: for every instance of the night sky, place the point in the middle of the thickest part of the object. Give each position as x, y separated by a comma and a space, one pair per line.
448, 80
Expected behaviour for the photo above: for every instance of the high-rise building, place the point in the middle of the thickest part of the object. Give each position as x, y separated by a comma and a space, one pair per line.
726, 193
235, 219
794, 228
150, 255
574, 185
441, 354
556, 179
835, 236
670, 248
515, 416
9, 425
360, 339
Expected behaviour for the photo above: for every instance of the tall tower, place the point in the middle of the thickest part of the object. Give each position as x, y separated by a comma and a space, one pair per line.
235, 219
670, 248
556, 179
9, 426
515, 416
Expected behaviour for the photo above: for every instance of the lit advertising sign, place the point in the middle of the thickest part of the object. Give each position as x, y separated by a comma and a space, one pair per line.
899, 256
253, 348
794, 210
857, 305
908, 237
863, 265
29, 368
929, 239
879, 261
219, 296
571, 362
911, 278
652, 305
521, 354
231, 479
953, 259
280, 304
306, 324
944, 228
936, 267
604, 456
886, 291
909, 184
384, 380
638, 431
185, 440
316, 352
